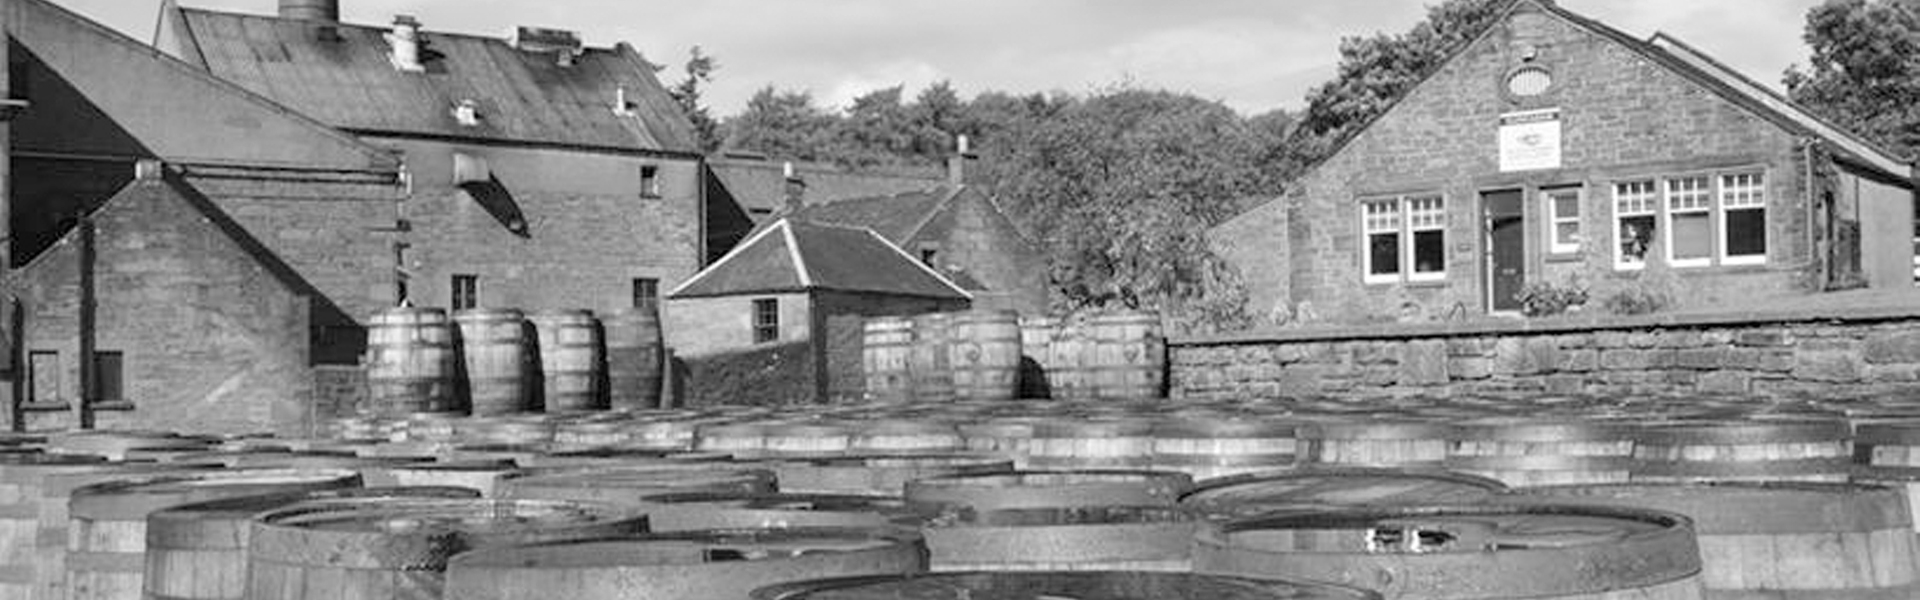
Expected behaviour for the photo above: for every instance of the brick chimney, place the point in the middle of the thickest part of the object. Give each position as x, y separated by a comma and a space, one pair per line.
324, 14
405, 40
957, 163
796, 197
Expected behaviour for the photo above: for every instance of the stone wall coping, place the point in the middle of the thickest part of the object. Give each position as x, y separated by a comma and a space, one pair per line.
1521, 326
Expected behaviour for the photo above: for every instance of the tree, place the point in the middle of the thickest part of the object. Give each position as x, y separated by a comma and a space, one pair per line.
876, 130
1865, 69
1376, 71
783, 123
686, 93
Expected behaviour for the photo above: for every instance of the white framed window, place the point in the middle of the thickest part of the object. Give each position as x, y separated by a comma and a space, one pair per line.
1689, 238
1743, 218
1564, 235
649, 181
1403, 239
1427, 228
1636, 216
766, 320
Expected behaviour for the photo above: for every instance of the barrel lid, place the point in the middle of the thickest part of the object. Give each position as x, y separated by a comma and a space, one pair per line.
1746, 507
1058, 585
1338, 486
432, 516
686, 548
1058, 516
134, 498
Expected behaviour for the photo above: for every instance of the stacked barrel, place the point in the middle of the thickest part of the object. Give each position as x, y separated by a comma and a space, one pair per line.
997, 355
502, 362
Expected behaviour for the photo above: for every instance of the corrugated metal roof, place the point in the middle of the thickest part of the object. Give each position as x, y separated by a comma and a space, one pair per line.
522, 96
846, 259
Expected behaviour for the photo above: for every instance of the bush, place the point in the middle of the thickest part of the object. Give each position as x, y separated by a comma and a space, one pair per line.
1636, 300
1542, 299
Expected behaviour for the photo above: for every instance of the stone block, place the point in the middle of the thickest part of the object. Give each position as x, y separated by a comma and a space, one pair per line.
1763, 338
1828, 366
1288, 353
1580, 361
1423, 362
1701, 358
1900, 373
1893, 347
1565, 384
1470, 368
1469, 347
1726, 382
1678, 339
1643, 339
1610, 339
1626, 359
1375, 353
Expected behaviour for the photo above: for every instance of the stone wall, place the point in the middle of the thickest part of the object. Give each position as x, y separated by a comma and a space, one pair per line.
1785, 354
976, 238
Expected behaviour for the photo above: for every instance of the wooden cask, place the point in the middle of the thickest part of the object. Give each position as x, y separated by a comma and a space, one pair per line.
1381, 443
1011, 438
636, 359
931, 367
1091, 538
803, 439
20, 497
1207, 448
1031, 585
520, 429
878, 475
732, 510
1068, 444
1045, 489
663, 435
1527, 452
1129, 359
1784, 540
479, 474
398, 549
198, 551
706, 565
985, 354
496, 353
1036, 339
120, 444
1070, 361
1466, 552
743, 439
903, 436
1249, 495
56, 487
410, 363
571, 355
107, 522
1744, 450
886, 351
629, 486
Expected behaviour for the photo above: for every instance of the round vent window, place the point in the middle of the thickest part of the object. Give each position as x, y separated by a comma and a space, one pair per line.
1529, 81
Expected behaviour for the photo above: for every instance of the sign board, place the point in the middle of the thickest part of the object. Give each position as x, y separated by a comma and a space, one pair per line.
1530, 140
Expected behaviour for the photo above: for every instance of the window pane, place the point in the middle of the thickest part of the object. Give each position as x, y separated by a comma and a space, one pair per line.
1383, 254
1689, 193
1747, 232
1430, 251
43, 376
1634, 197
109, 377
1692, 236
1566, 234
1745, 189
1566, 205
1636, 235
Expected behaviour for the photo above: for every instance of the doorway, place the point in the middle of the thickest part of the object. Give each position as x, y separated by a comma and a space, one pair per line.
1506, 260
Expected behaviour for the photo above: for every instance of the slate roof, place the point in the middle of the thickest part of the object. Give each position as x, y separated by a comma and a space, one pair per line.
762, 185
897, 217
797, 256
522, 96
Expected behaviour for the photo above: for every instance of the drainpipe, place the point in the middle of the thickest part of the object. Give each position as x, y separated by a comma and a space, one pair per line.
88, 311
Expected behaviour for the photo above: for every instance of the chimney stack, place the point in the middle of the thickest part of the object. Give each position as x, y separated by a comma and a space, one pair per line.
796, 190
957, 164
311, 10
406, 44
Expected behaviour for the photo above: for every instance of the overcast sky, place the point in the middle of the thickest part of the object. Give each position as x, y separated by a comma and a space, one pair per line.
1255, 55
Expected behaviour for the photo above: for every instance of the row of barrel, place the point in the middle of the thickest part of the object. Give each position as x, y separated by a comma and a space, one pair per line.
501, 361
998, 355
613, 523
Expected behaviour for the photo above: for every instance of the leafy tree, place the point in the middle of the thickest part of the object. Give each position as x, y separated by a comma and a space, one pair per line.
877, 129
1865, 69
686, 93
785, 124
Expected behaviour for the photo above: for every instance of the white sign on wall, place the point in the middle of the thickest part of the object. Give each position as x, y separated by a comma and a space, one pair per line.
1530, 140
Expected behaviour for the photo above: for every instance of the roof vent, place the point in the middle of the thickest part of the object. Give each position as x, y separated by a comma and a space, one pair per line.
621, 105
467, 112
405, 39
565, 45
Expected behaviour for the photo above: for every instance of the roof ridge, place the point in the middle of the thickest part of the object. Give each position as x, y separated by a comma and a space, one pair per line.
423, 30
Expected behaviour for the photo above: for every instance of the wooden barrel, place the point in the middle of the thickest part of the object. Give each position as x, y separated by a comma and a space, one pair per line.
802, 439
1888, 453
198, 551
21, 547
1218, 447
931, 367
398, 549
1744, 450
707, 565
1069, 443
902, 436
1070, 362
732, 510
629, 486
119, 444
1106, 585
1381, 443
581, 434
636, 358
495, 350
1788, 540
985, 353
615, 458
570, 360
1009, 438
878, 475
1129, 358
107, 522
481, 474
410, 363
1527, 452
56, 486
1100, 538
1467, 552
1036, 337
886, 351
1044, 489
663, 435
522, 429
1255, 494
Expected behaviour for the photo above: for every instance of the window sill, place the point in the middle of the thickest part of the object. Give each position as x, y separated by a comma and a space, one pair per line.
1565, 257
114, 405
1427, 283
651, 196
53, 406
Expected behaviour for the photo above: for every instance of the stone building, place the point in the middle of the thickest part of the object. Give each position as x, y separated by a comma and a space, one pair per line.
1556, 150
203, 231
789, 305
